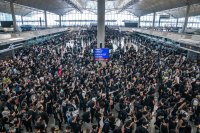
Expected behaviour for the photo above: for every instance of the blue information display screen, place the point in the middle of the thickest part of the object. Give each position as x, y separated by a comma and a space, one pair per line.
101, 54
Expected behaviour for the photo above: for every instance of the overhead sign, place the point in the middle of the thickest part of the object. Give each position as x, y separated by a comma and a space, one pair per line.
164, 16
101, 54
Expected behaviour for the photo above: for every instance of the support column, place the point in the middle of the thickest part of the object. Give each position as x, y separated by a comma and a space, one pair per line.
186, 19
60, 21
13, 16
139, 22
45, 18
159, 21
40, 22
101, 23
154, 19
22, 20
176, 22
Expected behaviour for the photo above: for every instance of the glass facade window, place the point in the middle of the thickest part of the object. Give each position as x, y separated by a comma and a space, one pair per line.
118, 19
194, 22
75, 18
5, 17
52, 19
113, 18
147, 20
35, 18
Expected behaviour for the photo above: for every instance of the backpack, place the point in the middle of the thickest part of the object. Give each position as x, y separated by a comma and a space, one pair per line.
106, 126
90, 104
69, 114
69, 119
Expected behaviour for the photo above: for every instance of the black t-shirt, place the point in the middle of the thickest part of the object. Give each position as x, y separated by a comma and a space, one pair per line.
157, 123
139, 122
172, 125
40, 125
33, 113
188, 129
76, 127
86, 117
141, 129
127, 130
30, 114
94, 132
138, 115
44, 116
118, 130
164, 129
2, 128
123, 115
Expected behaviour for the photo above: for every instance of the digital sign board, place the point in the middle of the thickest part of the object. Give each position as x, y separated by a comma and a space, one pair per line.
101, 54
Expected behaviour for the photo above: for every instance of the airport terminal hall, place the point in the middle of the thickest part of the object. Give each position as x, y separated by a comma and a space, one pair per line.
99, 66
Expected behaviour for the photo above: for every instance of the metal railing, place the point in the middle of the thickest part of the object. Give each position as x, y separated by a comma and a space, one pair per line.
12, 47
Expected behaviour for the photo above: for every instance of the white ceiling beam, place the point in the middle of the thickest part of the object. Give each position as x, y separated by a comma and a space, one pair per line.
180, 12
127, 4
144, 7
77, 4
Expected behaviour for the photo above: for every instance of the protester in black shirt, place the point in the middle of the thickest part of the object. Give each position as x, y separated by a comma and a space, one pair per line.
172, 123
164, 127
26, 119
75, 125
143, 128
52, 78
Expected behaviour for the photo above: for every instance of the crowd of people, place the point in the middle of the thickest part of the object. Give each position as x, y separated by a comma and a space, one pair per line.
64, 84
